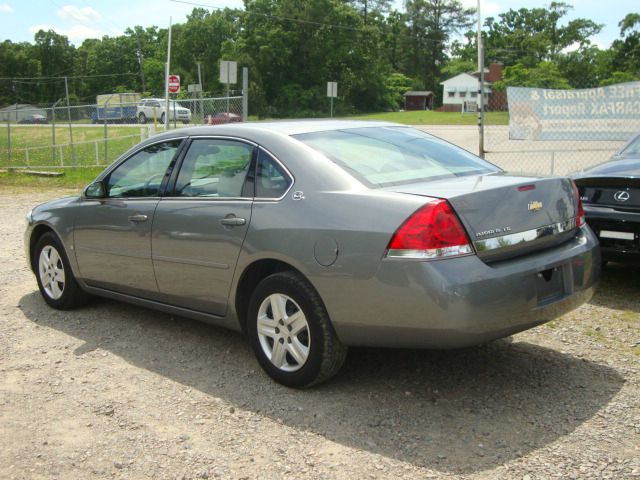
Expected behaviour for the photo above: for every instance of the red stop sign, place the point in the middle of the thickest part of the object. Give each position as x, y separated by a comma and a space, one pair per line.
174, 83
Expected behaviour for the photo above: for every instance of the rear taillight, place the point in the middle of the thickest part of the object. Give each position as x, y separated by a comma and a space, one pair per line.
580, 215
434, 231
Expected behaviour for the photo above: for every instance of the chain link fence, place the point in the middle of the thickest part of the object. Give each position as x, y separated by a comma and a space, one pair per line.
556, 132
95, 135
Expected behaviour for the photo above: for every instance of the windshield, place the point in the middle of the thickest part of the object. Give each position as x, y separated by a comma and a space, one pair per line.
633, 148
386, 156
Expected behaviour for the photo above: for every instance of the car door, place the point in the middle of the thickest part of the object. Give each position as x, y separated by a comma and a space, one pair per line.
199, 229
112, 235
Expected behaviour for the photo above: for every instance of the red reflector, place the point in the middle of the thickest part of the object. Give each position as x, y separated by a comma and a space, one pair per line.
526, 188
580, 215
434, 226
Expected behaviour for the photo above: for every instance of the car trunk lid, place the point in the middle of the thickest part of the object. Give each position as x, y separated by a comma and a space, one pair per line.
616, 192
506, 216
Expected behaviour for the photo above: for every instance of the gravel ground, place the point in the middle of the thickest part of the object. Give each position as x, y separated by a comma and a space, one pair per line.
117, 391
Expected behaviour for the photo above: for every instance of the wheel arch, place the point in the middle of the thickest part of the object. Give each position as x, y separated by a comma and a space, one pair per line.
38, 231
252, 275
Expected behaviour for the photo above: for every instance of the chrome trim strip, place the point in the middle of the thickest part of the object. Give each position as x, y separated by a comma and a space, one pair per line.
431, 254
524, 237
189, 261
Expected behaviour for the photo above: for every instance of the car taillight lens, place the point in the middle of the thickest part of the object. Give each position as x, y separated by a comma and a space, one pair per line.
580, 215
432, 232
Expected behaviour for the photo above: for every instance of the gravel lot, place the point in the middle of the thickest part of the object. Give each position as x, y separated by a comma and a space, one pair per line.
117, 391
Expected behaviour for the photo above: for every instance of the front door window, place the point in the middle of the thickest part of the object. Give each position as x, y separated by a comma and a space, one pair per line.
141, 175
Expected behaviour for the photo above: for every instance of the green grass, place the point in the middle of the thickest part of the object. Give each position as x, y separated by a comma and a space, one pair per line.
72, 178
38, 139
429, 117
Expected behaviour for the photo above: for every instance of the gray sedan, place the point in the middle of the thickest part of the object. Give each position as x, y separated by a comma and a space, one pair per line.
313, 236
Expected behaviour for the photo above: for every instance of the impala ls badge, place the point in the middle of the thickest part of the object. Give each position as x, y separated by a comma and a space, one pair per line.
621, 196
534, 206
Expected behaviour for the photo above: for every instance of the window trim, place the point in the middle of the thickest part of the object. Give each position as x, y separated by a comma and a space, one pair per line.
138, 148
284, 168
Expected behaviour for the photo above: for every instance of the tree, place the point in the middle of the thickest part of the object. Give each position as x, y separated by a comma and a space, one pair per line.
430, 25
55, 55
396, 85
542, 75
626, 50
530, 36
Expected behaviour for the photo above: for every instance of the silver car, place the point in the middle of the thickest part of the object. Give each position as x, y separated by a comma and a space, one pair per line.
313, 236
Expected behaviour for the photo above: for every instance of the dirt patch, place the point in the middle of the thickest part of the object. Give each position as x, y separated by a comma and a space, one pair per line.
113, 390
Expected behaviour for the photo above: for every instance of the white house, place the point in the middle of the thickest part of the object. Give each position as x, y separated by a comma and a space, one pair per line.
460, 89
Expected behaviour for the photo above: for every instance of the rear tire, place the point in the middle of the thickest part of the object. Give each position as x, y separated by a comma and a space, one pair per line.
290, 332
56, 282
142, 118
162, 118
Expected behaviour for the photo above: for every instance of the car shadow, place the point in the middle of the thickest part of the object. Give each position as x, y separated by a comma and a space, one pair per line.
619, 287
458, 412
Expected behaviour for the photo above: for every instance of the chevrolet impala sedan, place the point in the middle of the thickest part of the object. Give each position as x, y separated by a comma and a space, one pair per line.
313, 236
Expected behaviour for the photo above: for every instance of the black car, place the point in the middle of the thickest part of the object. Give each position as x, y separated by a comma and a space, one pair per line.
610, 193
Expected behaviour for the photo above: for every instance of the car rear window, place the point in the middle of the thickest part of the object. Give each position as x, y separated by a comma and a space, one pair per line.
386, 156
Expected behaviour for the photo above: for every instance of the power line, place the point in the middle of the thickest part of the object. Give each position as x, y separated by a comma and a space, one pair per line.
70, 76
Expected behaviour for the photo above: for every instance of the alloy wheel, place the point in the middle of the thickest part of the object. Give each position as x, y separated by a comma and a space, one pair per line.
51, 271
283, 332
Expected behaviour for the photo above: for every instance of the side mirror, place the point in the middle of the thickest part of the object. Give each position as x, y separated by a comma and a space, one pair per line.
95, 190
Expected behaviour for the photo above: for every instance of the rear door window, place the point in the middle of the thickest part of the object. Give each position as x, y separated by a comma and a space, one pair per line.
214, 168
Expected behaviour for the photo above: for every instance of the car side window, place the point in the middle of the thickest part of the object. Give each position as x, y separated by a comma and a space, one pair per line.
271, 179
141, 174
214, 168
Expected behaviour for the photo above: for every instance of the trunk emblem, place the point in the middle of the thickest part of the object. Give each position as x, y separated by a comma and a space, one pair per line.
622, 196
534, 206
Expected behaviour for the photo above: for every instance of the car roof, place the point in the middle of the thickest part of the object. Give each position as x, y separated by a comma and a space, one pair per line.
285, 127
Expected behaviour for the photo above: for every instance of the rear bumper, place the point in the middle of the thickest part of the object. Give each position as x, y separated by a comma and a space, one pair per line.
460, 302
609, 219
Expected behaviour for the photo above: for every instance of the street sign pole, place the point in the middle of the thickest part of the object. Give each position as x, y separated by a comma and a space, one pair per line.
481, 89
166, 80
228, 75
332, 92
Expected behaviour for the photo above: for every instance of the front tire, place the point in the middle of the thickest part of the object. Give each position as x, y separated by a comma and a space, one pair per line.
56, 282
291, 333
162, 118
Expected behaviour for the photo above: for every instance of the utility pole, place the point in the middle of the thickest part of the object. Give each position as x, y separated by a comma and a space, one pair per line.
66, 92
166, 80
141, 63
481, 89
200, 93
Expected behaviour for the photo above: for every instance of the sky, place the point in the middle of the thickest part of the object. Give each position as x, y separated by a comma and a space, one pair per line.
81, 19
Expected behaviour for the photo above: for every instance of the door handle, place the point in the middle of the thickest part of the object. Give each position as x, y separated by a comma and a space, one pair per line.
138, 218
232, 221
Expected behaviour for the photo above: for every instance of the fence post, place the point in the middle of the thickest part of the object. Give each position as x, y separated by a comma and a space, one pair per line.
553, 161
8, 141
26, 156
66, 90
106, 146
61, 158
97, 153
245, 93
